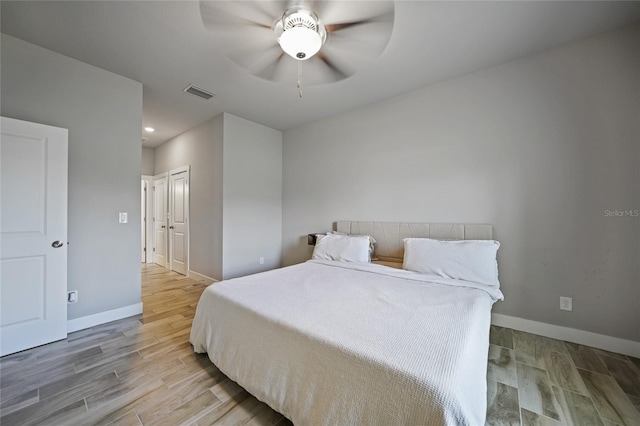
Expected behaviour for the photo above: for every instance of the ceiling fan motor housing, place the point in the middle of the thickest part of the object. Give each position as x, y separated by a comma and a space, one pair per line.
300, 33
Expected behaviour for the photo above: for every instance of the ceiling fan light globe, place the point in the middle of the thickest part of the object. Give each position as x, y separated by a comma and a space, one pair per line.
300, 43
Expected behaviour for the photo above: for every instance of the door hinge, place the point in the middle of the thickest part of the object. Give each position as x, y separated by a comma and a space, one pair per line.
144, 249
154, 249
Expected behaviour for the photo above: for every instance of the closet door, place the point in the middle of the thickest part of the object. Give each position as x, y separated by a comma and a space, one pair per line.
160, 226
178, 220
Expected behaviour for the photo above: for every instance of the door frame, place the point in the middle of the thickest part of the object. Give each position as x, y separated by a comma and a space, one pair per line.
149, 219
172, 172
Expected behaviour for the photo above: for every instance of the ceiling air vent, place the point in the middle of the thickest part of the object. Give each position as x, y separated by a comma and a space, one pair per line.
195, 90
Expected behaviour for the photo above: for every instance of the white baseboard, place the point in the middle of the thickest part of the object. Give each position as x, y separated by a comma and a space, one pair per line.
103, 317
200, 277
612, 344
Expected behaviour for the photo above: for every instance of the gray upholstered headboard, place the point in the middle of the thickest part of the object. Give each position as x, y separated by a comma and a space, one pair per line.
389, 235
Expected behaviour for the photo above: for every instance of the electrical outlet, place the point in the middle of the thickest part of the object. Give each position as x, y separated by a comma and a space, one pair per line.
261, 260
566, 303
72, 296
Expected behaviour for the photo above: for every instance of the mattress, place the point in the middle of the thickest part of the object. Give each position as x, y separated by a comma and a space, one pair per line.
328, 343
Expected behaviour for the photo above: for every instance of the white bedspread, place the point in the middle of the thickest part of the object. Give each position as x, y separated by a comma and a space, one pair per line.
330, 343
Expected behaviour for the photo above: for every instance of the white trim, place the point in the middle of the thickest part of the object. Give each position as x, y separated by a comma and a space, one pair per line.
199, 277
161, 175
601, 341
103, 317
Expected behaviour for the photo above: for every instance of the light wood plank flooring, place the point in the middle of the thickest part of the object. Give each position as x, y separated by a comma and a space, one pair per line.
142, 370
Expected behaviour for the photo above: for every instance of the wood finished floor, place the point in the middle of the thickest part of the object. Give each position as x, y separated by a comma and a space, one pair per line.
142, 370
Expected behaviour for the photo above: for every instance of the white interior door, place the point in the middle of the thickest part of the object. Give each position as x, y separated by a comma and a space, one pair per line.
160, 220
147, 202
33, 234
143, 220
178, 220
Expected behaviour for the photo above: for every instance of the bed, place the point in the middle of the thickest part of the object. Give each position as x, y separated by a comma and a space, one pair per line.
338, 343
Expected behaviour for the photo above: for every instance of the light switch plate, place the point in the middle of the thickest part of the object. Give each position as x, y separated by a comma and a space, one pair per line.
123, 217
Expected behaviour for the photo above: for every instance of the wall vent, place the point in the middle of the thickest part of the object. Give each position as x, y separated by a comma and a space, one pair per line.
195, 90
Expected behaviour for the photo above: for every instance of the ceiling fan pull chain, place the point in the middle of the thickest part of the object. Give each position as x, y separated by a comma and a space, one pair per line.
300, 78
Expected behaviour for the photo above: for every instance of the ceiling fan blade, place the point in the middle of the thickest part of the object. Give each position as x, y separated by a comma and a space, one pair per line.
219, 15
272, 8
320, 7
272, 71
387, 18
357, 32
337, 72
317, 70
337, 27
255, 60
364, 41
337, 12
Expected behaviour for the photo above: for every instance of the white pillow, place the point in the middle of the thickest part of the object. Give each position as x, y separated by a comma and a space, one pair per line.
469, 260
344, 248
372, 241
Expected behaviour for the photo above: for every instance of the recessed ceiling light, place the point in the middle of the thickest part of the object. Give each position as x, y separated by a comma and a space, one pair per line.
149, 129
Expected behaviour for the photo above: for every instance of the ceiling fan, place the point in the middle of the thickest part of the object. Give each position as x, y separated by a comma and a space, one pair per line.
273, 39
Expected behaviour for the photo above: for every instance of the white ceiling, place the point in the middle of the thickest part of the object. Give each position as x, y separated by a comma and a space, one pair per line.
166, 46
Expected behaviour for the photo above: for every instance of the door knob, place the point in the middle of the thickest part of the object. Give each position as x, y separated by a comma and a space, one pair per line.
163, 227
171, 227
56, 244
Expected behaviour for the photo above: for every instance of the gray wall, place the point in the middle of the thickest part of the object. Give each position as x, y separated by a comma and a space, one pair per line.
147, 161
103, 112
236, 194
252, 197
201, 148
538, 147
